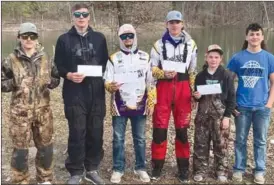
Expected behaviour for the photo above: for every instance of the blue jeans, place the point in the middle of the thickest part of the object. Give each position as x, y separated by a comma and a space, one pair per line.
119, 124
260, 117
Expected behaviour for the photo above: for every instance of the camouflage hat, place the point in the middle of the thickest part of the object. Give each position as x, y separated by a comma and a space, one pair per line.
215, 47
27, 27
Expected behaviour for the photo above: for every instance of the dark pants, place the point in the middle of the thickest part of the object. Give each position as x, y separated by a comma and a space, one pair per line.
85, 138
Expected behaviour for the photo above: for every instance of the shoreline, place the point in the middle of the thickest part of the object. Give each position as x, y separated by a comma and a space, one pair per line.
56, 26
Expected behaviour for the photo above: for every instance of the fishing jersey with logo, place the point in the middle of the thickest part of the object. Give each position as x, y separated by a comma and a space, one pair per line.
184, 52
137, 92
253, 71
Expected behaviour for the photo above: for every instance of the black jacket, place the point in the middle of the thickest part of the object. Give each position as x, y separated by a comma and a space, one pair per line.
225, 78
73, 49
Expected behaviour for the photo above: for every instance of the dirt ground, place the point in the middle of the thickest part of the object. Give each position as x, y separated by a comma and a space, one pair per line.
60, 143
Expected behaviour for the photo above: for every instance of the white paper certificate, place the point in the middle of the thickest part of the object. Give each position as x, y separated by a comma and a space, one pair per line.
179, 67
90, 70
209, 89
126, 77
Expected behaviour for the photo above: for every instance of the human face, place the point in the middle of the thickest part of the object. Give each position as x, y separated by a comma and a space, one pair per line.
213, 59
28, 40
127, 39
254, 38
174, 27
81, 22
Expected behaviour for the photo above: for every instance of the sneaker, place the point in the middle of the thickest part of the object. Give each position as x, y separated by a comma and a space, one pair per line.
142, 175
259, 178
222, 178
183, 177
156, 174
116, 177
75, 179
198, 178
93, 177
47, 182
237, 176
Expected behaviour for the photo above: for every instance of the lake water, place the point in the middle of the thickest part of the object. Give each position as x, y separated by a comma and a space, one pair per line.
230, 39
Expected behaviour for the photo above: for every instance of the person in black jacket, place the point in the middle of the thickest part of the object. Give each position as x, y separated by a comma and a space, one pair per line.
84, 97
212, 121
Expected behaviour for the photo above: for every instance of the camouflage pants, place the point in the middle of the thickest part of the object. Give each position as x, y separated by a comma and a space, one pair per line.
27, 124
207, 128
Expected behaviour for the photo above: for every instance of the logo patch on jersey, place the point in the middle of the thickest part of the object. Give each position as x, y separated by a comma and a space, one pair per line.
210, 82
119, 57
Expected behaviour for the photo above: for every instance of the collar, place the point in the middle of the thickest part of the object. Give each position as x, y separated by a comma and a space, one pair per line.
127, 52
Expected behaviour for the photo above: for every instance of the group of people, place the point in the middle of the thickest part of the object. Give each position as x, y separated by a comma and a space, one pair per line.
141, 85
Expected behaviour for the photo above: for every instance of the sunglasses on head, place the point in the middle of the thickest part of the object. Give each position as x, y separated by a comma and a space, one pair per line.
127, 35
27, 36
78, 14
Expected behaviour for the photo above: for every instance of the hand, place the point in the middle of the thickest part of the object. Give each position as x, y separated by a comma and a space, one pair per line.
115, 86
170, 74
225, 123
150, 111
197, 95
75, 77
268, 106
235, 113
193, 103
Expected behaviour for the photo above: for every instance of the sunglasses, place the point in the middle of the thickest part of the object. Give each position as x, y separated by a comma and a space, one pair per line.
27, 36
127, 35
78, 14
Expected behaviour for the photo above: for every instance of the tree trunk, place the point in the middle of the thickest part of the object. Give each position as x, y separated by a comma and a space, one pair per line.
93, 15
42, 21
120, 9
266, 14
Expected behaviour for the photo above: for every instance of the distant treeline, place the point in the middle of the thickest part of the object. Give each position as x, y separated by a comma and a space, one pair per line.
115, 13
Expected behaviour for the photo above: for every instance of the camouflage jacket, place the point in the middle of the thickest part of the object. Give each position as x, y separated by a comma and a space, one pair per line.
28, 78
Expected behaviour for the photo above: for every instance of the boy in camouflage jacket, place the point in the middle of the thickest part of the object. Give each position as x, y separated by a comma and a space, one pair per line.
29, 74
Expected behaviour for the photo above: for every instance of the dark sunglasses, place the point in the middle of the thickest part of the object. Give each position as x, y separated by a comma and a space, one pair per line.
27, 36
78, 14
127, 35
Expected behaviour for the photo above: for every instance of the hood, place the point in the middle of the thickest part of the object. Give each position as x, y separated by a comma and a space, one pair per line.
73, 30
128, 28
18, 51
184, 35
219, 70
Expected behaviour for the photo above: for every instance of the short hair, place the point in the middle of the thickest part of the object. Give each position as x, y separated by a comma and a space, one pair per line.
254, 27
78, 6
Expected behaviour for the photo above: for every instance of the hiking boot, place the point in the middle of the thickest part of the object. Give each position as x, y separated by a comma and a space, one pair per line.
222, 178
198, 178
142, 175
116, 177
259, 178
183, 177
237, 176
93, 177
75, 179
156, 174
